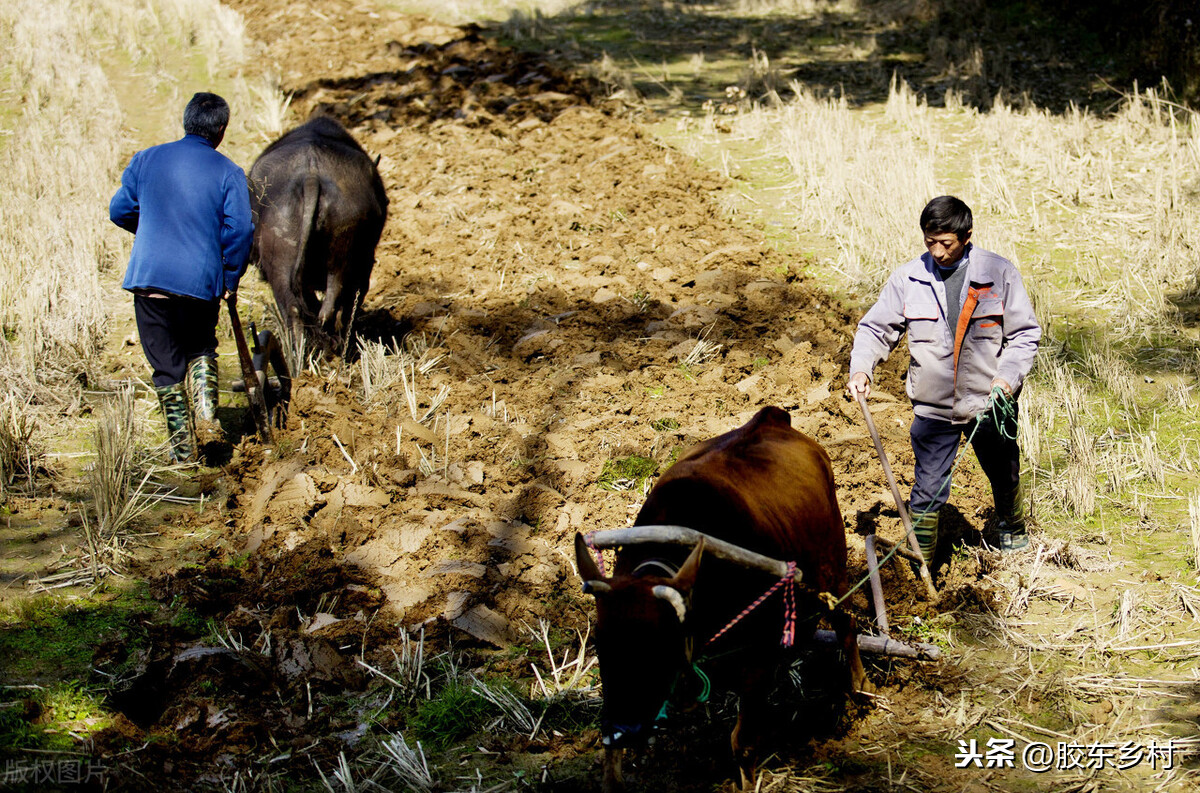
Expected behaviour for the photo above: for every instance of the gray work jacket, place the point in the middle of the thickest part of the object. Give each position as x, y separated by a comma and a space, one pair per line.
950, 370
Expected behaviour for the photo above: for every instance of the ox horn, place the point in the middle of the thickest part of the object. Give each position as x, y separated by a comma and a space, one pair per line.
672, 596
596, 587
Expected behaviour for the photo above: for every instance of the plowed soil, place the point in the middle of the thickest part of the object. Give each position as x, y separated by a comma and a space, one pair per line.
555, 267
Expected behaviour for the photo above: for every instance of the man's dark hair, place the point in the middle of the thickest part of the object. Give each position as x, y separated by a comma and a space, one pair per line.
206, 115
947, 214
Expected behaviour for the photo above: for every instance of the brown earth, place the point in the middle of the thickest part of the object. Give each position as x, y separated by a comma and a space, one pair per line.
562, 264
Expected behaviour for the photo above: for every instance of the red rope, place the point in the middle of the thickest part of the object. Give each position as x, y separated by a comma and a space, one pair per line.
598, 554
789, 608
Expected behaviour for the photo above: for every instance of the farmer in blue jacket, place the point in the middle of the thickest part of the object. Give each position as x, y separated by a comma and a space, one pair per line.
972, 337
189, 209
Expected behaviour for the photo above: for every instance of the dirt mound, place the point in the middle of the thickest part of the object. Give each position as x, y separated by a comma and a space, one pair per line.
572, 295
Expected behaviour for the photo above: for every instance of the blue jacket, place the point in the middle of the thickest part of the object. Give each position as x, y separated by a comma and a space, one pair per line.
189, 209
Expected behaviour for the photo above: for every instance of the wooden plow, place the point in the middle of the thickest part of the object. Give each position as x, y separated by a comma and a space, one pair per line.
681, 535
266, 379
874, 544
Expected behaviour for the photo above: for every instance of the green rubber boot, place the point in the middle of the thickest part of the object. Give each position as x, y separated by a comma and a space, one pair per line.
926, 528
202, 388
173, 401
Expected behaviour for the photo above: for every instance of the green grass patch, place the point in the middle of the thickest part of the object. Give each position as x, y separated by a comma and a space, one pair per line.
43, 639
53, 718
666, 424
454, 714
627, 473
187, 620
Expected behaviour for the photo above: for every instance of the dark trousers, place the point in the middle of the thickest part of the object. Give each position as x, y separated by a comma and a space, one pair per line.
935, 443
175, 330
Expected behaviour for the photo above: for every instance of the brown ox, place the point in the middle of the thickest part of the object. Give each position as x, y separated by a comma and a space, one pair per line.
764, 487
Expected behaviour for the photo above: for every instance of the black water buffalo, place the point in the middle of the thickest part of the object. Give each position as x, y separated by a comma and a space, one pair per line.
763, 487
319, 208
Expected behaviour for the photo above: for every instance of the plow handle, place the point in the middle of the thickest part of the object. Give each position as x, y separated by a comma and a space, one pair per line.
904, 516
258, 405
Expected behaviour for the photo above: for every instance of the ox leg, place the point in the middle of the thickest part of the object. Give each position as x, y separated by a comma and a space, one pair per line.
752, 715
356, 280
614, 778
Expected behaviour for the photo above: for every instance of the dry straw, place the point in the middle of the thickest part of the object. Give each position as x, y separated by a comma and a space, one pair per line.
570, 677
118, 490
20, 455
856, 181
1194, 525
410, 678
382, 368
61, 155
408, 763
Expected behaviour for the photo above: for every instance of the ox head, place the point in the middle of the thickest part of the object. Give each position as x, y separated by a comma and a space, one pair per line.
641, 642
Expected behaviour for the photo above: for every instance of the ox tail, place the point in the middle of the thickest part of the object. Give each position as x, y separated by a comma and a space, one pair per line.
311, 192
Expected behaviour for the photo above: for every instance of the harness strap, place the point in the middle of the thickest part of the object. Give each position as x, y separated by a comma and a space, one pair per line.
789, 608
666, 567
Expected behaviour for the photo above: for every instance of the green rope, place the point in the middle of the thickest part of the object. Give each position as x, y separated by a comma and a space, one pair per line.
702, 697
1001, 410
865, 578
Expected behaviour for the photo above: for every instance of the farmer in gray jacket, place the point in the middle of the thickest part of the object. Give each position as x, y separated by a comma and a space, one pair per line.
972, 337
